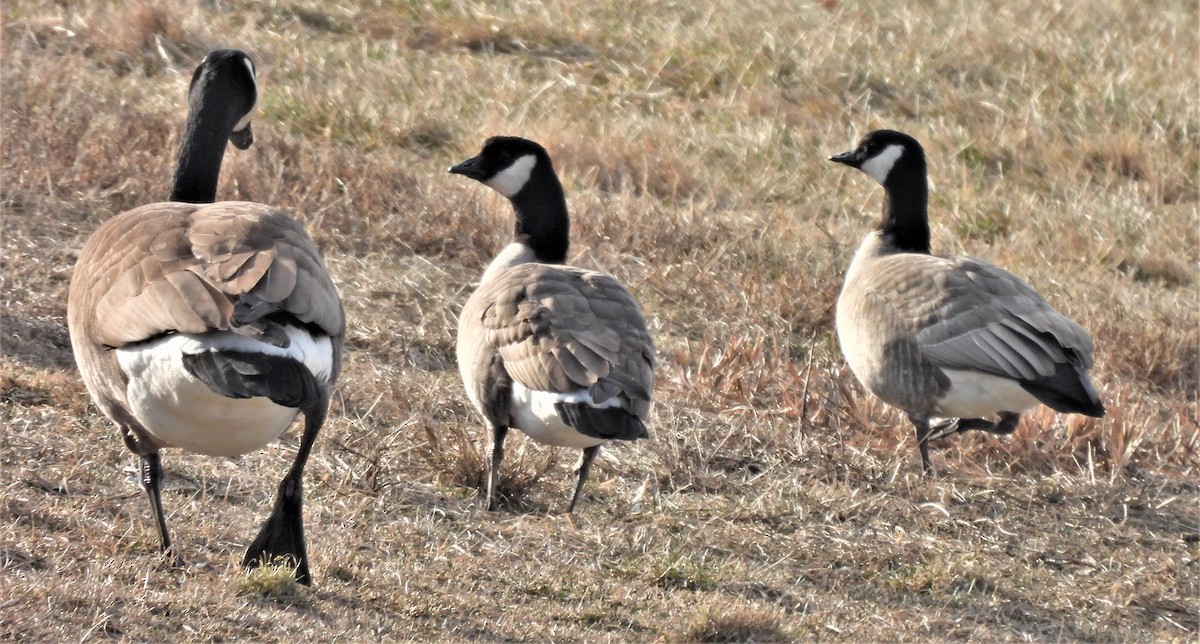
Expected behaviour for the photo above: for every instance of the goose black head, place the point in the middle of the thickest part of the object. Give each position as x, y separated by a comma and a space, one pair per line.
225, 81
521, 170
221, 100
897, 162
505, 164
881, 151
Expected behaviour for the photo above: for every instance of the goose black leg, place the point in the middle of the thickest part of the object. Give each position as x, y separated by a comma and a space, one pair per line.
921, 425
1006, 425
585, 465
282, 536
956, 425
498, 434
152, 473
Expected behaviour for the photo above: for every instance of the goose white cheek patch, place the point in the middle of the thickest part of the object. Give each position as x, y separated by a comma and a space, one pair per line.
881, 164
510, 180
245, 120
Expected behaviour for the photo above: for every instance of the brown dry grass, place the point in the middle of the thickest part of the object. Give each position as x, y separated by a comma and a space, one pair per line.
777, 500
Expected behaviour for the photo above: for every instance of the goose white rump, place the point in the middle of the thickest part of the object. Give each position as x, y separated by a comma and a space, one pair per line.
533, 412
181, 410
979, 395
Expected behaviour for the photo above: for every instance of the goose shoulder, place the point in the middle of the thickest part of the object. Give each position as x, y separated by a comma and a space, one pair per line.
560, 329
966, 313
193, 268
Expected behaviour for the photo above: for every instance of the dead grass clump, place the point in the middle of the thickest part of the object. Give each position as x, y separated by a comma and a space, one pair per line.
686, 573
15, 559
88, 156
315, 17
147, 37
101, 161
1122, 155
32, 388
735, 624
540, 44
427, 137
537, 39
1160, 352
1164, 270
728, 373
983, 225
459, 454
148, 24
638, 163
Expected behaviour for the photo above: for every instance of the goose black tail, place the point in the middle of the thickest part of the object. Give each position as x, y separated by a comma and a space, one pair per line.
608, 423
1068, 391
237, 374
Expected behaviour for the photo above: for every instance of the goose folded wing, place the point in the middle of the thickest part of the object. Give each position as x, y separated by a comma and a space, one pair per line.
560, 329
219, 266
986, 319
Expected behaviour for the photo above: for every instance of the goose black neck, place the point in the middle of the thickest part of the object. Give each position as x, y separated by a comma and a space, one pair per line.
201, 151
905, 222
543, 223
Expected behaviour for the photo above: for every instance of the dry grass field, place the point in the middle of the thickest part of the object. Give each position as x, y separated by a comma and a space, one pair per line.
776, 500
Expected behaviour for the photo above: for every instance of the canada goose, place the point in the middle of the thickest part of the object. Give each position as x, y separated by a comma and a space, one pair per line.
949, 337
209, 326
558, 352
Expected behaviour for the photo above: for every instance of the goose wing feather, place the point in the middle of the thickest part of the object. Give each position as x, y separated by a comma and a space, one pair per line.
968, 314
561, 329
183, 267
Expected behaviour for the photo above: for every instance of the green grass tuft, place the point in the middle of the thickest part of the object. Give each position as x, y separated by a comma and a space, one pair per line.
275, 581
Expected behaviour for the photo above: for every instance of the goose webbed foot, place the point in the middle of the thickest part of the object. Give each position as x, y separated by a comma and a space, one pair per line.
950, 426
282, 536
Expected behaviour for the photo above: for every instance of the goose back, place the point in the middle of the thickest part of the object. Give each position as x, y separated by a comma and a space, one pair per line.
555, 329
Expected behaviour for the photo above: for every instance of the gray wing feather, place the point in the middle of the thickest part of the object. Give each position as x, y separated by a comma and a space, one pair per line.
989, 320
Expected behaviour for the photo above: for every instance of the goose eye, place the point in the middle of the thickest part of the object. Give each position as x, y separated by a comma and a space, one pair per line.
505, 156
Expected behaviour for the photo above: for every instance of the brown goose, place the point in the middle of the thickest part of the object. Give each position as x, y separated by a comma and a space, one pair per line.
558, 352
209, 326
949, 337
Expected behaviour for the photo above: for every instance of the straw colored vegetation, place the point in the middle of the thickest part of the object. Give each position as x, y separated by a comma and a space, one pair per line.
776, 499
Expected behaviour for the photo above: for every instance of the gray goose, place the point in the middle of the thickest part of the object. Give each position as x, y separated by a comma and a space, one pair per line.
210, 326
558, 352
949, 337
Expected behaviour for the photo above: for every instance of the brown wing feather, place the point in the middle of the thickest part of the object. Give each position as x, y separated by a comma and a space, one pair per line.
559, 328
181, 267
